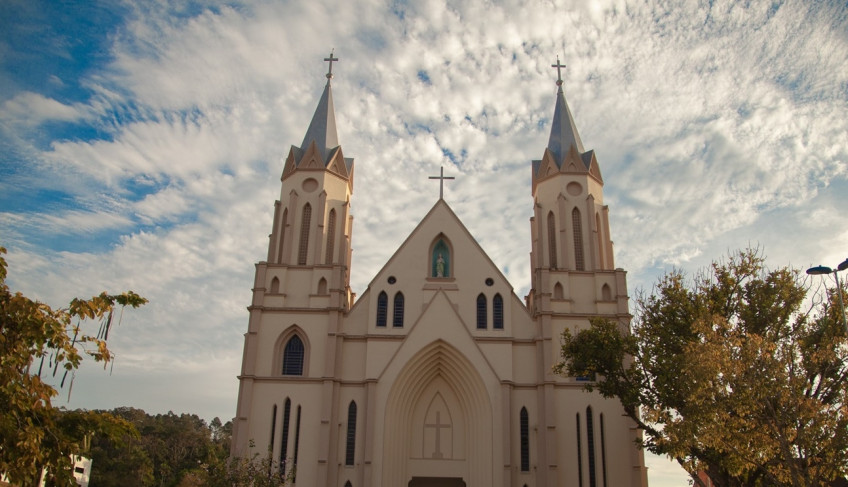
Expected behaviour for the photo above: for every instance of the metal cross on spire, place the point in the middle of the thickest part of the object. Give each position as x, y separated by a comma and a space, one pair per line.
441, 177
559, 72
331, 59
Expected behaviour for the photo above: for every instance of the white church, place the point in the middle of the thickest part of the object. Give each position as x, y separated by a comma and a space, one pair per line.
438, 374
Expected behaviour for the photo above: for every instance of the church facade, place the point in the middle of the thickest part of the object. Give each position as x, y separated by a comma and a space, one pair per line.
438, 374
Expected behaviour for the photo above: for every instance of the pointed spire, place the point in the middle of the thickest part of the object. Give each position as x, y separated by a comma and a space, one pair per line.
322, 128
563, 131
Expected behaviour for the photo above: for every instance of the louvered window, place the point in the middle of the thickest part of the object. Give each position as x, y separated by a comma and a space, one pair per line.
350, 449
552, 247
525, 440
331, 236
577, 227
293, 357
305, 222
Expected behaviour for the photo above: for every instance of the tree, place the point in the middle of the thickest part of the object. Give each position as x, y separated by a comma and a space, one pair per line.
729, 374
35, 340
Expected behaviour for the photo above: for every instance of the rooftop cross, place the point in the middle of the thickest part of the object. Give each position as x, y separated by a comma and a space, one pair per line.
441, 177
559, 72
331, 59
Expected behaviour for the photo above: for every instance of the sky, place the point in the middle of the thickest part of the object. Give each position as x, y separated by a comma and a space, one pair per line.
141, 146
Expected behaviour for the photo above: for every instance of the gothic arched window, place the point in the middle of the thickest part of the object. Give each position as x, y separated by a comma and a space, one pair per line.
481, 312
273, 428
441, 260
552, 248
293, 357
577, 227
350, 447
600, 241
283, 235
331, 236
497, 312
524, 424
382, 308
590, 440
284, 449
275, 286
305, 222
579, 455
397, 311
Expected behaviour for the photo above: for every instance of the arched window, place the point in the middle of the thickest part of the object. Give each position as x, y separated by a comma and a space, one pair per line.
481, 312
558, 294
350, 448
296, 445
577, 227
322, 287
284, 449
552, 248
441, 260
603, 451
525, 440
331, 236
305, 221
590, 440
382, 308
275, 286
606, 294
600, 241
397, 311
579, 456
283, 235
273, 428
293, 357
497, 312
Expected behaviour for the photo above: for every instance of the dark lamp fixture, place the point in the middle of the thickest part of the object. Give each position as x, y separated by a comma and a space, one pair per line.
823, 269
843, 265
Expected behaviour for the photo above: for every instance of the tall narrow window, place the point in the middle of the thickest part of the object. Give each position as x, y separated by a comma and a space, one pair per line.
331, 236
577, 227
441, 260
481, 312
293, 357
606, 294
497, 312
273, 429
552, 248
590, 442
284, 449
305, 222
579, 456
350, 448
322, 287
275, 286
397, 311
296, 444
283, 235
382, 308
558, 293
600, 241
525, 440
603, 451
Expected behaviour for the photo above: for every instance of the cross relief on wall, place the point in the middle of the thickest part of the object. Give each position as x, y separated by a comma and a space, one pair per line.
438, 431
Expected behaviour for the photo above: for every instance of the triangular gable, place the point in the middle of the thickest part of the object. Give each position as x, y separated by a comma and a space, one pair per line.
573, 162
433, 326
462, 235
594, 167
290, 165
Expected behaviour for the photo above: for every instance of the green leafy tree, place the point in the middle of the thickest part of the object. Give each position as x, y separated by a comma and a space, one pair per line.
728, 374
36, 341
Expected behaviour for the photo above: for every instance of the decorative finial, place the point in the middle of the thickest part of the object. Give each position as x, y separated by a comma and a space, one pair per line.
559, 72
441, 177
331, 59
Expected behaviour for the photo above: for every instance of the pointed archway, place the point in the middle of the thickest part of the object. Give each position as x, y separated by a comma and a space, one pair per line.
438, 419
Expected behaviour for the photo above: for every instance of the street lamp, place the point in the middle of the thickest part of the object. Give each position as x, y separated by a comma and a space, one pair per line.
821, 270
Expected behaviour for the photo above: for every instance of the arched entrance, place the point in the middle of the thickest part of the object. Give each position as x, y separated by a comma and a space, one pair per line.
438, 421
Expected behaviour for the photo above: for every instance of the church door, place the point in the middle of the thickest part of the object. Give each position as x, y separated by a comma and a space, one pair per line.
436, 482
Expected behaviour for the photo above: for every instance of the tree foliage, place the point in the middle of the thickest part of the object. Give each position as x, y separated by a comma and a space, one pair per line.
36, 342
729, 373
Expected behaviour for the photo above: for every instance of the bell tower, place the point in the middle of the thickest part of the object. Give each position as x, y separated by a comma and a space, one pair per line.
300, 296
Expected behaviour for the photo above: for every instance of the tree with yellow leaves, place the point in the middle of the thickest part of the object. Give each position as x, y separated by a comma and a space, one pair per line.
37, 341
729, 374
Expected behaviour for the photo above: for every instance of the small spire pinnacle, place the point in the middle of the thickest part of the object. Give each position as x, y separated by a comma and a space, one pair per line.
331, 59
558, 67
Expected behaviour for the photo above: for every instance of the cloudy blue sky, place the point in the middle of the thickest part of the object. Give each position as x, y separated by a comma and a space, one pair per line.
141, 146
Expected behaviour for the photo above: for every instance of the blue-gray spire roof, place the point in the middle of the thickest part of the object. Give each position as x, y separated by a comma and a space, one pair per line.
563, 131
322, 128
